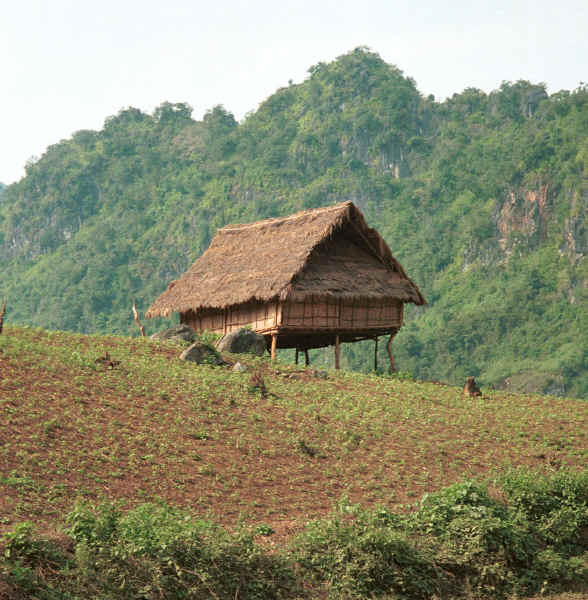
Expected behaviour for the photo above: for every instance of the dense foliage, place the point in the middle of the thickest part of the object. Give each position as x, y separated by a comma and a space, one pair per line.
459, 542
481, 197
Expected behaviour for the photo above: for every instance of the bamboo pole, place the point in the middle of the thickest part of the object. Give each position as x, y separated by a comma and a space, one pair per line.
337, 353
2, 313
376, 354
389, 349
136, 315
274, 345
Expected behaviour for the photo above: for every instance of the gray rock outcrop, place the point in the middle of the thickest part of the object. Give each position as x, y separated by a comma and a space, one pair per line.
200, 353
179, 333
242, 341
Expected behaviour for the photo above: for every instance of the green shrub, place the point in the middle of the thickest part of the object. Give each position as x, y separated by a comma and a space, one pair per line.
557, 505
159, 551
436, 511
26, 559
95, 528
459, 542
498, 549
361, 554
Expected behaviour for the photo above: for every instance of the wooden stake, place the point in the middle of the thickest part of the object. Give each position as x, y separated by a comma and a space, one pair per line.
136, 315
376, 354
306, 358
389, 348
2, 313
274, 345
337, 353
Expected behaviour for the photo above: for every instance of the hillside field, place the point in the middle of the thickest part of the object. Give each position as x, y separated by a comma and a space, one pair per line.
200, 437
102, 418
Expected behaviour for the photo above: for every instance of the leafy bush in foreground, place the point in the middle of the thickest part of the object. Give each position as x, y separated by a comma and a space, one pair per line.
154, 551
361, 554
459, 542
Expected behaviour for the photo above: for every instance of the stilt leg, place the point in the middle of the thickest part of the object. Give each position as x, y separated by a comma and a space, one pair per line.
376, 354
389, 348
337, 353
296, 355
274, 345
306, 357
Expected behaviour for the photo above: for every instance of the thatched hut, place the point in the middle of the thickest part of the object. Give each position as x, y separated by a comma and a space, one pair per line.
315, 278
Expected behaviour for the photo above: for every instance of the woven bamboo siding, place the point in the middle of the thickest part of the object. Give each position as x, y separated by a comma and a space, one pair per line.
259, 317
334, 314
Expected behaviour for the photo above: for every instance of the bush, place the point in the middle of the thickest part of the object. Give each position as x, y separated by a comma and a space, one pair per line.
557, 505
26, 559
363, 554
500, 548
159, 551
457, 542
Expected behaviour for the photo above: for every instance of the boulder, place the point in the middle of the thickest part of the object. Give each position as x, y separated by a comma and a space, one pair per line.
242, 341
179, 333
201, 353
320, 374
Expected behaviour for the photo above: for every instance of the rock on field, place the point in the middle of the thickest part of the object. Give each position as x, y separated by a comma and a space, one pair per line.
201, 353
242, 341
180, 333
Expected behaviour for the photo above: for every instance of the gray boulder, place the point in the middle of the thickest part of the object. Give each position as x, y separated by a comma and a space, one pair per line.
179, 333
242, 341
200, 353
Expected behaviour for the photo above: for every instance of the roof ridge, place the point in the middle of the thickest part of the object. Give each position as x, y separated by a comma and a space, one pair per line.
298, 215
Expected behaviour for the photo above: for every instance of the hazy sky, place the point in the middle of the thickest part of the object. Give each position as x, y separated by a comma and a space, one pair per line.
66, 65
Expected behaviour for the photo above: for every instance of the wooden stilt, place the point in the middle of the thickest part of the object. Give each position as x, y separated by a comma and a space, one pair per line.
2, 313
376, 354
135, 313
296, 355
389, 348
306, 357
274, 345
337, 353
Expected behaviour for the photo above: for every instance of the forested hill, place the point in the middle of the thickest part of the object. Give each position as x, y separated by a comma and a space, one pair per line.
482, 197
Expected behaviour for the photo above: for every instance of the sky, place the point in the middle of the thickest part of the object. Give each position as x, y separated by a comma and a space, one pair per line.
66, 65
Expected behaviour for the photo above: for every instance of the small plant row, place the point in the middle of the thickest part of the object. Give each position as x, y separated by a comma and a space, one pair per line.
459, 542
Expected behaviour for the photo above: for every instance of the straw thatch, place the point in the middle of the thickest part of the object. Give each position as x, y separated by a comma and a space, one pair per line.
327, 252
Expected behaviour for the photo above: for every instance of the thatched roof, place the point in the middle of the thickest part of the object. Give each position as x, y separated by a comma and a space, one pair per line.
327, 251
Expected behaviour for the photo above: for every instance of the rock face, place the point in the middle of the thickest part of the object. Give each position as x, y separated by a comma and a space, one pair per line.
523, 217
201, 353
180, 333
242, 341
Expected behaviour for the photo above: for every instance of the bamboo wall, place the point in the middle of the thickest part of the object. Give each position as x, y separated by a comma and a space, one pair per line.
343, 315
260, 317
312, 314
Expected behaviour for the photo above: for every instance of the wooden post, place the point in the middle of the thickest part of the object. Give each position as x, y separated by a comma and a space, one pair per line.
274, 345
2, 313
296, 355
337, 353
389, 348
306, 358
376, 354
136, 315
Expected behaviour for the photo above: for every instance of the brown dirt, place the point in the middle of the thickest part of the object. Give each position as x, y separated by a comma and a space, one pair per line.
69, 431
